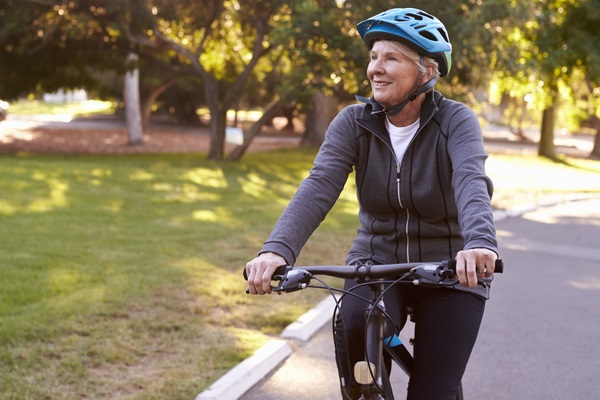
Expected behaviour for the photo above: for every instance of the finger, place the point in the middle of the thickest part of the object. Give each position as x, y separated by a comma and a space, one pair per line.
461, 271
255, 278
266, 282
257, 283
490, 266
481, 272
250, 274
471, 269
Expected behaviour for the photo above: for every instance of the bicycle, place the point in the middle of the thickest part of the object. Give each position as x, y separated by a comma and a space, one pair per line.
370, 373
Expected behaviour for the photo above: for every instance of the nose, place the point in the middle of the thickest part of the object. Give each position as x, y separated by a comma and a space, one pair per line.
375, 67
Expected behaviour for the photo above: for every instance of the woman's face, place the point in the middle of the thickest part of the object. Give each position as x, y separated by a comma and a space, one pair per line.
393, 76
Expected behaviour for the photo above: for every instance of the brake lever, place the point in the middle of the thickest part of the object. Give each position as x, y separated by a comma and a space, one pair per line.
291, 280
436, 276
430, 275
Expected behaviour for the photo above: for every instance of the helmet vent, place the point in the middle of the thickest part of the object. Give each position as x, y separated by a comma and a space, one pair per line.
413, 16
428, 35
444, 35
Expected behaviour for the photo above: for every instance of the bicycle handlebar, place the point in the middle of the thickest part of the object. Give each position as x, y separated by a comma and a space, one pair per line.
293, 278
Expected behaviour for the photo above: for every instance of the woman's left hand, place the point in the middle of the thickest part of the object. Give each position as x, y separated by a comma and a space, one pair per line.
473, 264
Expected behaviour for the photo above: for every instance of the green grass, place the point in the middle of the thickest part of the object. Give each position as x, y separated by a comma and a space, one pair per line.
523, 181
120, 276
82, 108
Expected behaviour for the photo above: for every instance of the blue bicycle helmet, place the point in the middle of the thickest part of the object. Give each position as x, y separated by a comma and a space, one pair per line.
419, 30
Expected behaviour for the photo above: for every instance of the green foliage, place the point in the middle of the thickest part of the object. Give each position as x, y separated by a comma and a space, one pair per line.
53, 45
546, 43
231, 54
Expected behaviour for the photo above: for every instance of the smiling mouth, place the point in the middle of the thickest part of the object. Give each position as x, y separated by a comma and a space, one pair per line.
381, 84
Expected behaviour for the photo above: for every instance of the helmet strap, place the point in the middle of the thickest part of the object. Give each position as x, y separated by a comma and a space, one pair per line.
393, 110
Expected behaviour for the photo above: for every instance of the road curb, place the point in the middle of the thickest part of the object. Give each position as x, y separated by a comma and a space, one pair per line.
253, 369
312, 321
248, 373
500, 215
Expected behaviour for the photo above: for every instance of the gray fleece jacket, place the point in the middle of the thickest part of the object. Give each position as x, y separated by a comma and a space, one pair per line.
436, 202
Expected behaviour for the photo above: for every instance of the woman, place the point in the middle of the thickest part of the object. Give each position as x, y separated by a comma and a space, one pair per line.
423, 194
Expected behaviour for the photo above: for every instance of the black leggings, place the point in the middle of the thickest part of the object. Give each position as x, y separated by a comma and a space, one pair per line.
446, 326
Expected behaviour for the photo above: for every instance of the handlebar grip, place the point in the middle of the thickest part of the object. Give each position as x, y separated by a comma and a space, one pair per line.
281, 270
498, 266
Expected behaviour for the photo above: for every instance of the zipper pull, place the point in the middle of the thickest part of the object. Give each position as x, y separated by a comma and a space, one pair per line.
397, 172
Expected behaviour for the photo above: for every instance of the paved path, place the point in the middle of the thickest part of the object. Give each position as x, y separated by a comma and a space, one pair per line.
539, 338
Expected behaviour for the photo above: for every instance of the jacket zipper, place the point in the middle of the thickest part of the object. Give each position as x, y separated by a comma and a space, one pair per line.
407, 212
398, 190
398, 183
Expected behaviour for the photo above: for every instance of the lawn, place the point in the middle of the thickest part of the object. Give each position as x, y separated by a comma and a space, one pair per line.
80, 108
120, 276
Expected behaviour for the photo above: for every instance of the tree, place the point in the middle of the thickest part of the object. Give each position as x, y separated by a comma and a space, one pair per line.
537, 57
133, 111
69, 42
581, 37
48, 45
221, 40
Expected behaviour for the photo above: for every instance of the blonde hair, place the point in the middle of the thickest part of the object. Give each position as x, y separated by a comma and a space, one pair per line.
414, 56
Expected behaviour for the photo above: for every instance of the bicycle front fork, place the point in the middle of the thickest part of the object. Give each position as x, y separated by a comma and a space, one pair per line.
369, 373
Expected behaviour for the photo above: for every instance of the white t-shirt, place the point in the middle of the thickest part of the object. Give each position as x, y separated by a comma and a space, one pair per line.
401, 137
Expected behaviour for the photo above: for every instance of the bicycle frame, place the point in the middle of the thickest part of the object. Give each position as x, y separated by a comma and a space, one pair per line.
371, 373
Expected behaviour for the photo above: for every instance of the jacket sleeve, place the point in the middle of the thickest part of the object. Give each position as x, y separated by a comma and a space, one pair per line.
472, 187
317, 194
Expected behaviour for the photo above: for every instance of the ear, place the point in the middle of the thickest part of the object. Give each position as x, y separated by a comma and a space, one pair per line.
429, 74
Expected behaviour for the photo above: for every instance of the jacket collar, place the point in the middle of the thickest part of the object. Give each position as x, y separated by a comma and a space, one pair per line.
376, 123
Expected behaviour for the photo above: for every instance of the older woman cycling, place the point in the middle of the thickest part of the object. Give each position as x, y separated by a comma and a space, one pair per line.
423, 194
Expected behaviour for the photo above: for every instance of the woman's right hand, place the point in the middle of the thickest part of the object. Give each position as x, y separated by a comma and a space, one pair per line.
260, 270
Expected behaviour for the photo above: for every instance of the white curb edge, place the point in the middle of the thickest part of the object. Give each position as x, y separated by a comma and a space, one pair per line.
248, 373
253, 369
312, 321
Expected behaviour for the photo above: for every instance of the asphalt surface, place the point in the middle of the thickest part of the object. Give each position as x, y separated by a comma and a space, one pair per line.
539, 338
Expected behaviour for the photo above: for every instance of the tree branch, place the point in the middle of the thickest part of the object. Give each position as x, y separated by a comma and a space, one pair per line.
271, 110
257, 52
47, 34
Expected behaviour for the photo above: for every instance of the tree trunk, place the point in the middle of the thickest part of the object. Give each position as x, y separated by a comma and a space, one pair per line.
151, 99
133, 114
546, 145
322, 111
218, 123
271, 110
595, 154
